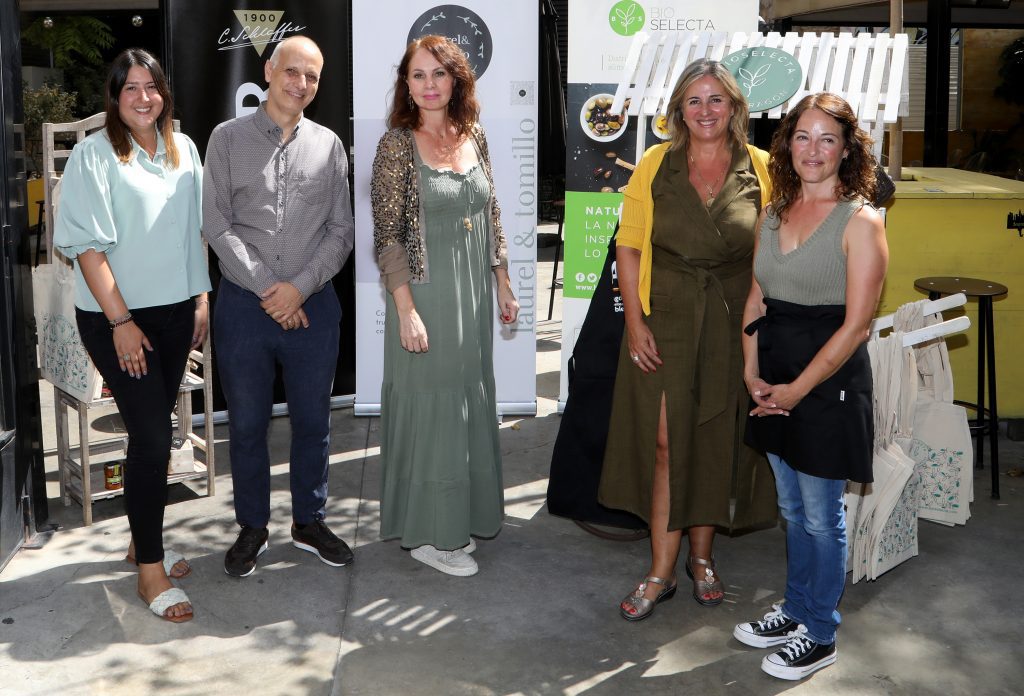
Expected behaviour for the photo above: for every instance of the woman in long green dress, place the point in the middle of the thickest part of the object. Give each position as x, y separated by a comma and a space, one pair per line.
438, 236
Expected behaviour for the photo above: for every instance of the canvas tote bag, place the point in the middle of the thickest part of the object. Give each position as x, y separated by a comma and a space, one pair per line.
940, 442
63, 360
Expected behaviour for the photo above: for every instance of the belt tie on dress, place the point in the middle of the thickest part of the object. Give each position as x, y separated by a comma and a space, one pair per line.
711, 383
710, 368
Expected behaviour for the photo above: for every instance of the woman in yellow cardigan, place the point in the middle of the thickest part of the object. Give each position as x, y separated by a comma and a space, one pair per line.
675, 454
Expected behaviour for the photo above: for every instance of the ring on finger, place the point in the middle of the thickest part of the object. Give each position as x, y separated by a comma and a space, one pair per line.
635, 358
127, 357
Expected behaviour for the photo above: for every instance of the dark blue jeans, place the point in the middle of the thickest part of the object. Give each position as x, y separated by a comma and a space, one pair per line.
248, 345
145, 405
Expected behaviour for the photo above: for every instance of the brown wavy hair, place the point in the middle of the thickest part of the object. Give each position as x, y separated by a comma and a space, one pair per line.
117, 131
463, 108
856, 170
693, 72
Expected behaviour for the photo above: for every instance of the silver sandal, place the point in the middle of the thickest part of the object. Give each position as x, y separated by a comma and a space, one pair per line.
643, 607
709, 584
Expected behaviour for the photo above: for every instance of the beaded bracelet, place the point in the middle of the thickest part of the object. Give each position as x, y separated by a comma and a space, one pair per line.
121, 321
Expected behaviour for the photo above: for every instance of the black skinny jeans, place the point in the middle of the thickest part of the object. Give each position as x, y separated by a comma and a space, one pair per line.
145, 405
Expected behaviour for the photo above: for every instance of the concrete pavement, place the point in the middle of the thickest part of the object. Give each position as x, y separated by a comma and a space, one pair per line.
540, 618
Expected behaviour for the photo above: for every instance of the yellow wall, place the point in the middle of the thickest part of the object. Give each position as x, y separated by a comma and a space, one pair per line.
35, 193
960, 230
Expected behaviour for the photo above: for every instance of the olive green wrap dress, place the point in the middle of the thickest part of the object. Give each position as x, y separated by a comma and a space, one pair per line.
701, 271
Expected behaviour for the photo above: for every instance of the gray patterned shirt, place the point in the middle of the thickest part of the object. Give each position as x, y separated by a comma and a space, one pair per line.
277, 212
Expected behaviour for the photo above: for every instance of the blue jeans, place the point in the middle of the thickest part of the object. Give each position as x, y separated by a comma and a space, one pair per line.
248, 346
815, 548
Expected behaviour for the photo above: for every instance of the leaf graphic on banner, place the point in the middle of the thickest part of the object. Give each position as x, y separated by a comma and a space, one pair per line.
433, 18
470, 22
630, 15
762, 70
748, 79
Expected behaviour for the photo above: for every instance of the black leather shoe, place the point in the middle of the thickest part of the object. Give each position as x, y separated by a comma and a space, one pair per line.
316, 538
240, 560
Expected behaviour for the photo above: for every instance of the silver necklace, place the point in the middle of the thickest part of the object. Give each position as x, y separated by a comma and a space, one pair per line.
709, 201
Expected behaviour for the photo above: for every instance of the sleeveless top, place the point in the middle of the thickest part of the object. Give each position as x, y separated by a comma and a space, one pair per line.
829, 434
815, 272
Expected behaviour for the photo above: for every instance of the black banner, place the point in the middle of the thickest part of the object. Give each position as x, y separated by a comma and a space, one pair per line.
215, 54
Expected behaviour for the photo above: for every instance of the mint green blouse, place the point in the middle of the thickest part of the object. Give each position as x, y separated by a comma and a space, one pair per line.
144, 216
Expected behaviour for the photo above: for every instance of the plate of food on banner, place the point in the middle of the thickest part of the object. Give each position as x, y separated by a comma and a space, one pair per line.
597, 120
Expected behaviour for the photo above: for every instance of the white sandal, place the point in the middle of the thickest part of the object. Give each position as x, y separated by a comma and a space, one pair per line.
167, 599
171, 559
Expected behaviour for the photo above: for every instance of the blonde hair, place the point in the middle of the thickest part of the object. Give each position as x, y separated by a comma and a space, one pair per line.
674, 111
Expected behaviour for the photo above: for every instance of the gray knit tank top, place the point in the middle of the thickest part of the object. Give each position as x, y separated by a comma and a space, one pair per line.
815, 272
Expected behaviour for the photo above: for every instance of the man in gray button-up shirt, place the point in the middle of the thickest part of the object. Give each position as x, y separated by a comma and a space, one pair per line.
276, 211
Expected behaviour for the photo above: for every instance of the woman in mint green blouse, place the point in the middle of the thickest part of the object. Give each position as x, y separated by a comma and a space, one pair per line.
129, 217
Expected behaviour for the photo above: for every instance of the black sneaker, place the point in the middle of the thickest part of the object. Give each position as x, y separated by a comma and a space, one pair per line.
316, 538
240, 560
800, 657
773, 629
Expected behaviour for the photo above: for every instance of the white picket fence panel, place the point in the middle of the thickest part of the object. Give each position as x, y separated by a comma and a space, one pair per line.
867, 70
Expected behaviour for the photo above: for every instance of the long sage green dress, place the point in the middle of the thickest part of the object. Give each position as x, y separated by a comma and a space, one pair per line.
441, 459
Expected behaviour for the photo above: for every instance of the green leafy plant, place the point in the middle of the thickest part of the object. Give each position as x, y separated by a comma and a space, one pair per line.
71, 40
89, 81
48, 104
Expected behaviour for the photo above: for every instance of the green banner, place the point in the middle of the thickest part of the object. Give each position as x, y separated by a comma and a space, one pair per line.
590, 219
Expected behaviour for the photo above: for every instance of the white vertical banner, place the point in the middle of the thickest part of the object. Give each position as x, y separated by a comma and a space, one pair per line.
500, 40
602, 34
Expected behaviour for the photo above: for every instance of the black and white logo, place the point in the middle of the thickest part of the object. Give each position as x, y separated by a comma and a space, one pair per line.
464, 27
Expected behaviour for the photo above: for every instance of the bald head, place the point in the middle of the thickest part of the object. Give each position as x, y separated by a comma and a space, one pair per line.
294, 41
293, 76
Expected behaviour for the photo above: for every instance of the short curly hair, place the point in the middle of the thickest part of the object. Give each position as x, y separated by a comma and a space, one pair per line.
856, 171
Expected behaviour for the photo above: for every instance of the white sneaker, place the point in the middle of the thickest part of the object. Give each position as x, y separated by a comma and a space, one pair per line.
471, 546
456, 562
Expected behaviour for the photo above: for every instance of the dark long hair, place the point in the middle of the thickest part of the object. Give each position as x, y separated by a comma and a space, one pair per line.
463, 108
856, 171
117, 131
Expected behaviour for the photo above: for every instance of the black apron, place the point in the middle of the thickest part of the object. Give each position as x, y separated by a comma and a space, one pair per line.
579, 447
830, 433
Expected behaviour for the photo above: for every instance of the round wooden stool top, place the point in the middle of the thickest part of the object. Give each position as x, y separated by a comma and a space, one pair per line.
949, 285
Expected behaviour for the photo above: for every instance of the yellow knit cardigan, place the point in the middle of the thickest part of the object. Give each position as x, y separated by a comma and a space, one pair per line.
637, 219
